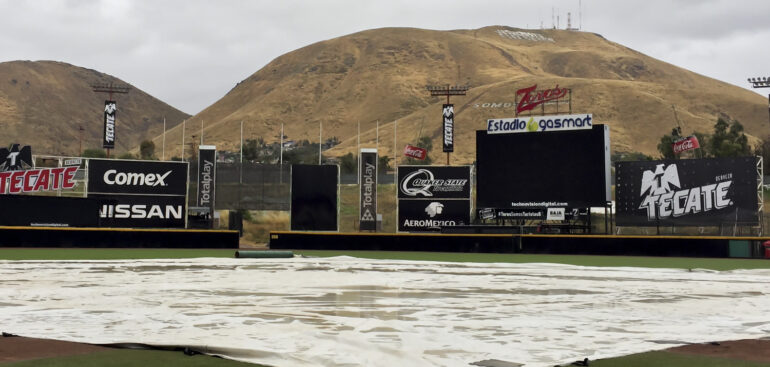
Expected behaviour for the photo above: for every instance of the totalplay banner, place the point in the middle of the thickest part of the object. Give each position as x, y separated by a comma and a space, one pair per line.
687, 192
207, 176
368, 184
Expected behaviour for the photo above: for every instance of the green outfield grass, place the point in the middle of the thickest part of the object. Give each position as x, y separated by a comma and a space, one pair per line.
582, 260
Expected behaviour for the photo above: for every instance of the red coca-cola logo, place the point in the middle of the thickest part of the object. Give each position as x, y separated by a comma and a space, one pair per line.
688, 143
415, 152
531, 97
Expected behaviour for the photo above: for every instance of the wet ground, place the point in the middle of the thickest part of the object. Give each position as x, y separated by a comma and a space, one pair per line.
345, 311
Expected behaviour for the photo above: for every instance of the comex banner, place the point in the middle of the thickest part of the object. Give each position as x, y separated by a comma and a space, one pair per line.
207, 176
110, 110
539, 124
431, 197
691, 192
368, 185
139, 193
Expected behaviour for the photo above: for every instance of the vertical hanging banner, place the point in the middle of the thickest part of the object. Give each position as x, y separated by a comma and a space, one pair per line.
110, 109
207, 176
449, 127
368, 186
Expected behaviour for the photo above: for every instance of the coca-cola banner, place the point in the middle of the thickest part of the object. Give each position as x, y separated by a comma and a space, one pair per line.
687, 192
685, 144
449, 127
110, 109
415, 152
368, 185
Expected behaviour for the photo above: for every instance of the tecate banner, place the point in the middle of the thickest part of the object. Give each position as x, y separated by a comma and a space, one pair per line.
431, 215
207, 176
444, 182
368, 185
539, 124
110, 109
111, 176
15, 159
448, 123
691, 192
37, 180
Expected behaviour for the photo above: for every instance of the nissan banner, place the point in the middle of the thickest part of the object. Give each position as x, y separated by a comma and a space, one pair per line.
687, 192
448, 124
207, 174
135, 194
110, 108
368, 185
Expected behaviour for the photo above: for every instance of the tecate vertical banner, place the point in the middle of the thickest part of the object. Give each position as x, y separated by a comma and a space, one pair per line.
110, 109
687, 192
207, 174
449, 127
368, 185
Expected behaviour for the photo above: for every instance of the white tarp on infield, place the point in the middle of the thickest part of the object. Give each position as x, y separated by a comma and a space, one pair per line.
355, 312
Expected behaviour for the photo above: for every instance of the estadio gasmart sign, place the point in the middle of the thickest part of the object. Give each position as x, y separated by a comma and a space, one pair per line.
539, 123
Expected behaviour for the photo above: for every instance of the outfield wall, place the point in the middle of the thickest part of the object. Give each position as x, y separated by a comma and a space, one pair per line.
116, 237
679, 246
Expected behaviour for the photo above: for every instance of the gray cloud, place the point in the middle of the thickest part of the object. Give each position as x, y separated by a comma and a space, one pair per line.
191, 53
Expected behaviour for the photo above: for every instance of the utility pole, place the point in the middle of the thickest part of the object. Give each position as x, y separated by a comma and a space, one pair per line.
763, 82
164, 139
446, 90
80, 140
110, 88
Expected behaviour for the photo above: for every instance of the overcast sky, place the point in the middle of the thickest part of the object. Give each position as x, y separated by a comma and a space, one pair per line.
190, 53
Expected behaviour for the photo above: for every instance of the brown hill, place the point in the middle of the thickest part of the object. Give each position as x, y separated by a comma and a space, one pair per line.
43, 104
381, 75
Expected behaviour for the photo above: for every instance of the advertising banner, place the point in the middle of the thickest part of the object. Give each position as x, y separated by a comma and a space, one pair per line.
685, 144
431, 197
314, 193
448, 124
16, 159
431, 215
561, 169
539, 124
415, 152
441, 182
207, 176
110, 110
48, 211
141, 211
141, 194
530, 97
37, 180
691, 192
368, 186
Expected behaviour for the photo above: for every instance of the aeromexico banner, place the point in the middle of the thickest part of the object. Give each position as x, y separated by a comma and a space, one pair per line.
139, 193
688, 192
448, 124
110, 109
526, 124
368, 185
431, 197
207, 176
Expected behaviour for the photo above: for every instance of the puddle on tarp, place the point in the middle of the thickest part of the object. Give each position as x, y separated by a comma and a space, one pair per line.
357, 312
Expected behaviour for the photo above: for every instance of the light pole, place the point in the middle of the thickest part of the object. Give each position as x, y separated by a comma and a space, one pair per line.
763, 82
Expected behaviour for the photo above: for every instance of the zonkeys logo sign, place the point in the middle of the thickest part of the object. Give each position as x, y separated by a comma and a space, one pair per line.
664, 197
